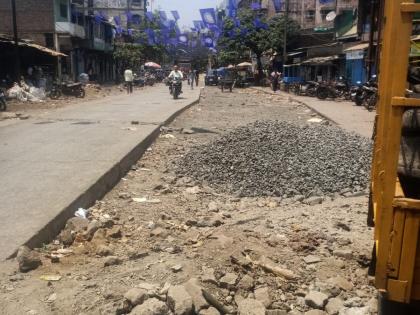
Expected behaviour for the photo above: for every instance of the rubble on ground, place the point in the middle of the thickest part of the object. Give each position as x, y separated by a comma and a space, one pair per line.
278, 158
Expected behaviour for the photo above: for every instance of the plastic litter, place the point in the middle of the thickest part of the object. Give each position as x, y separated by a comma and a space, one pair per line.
81, 213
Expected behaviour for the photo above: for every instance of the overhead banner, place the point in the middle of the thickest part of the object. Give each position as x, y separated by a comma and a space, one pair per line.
278, 5
175, 14
208, 16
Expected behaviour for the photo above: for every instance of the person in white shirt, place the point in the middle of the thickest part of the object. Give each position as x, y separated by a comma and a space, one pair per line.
175, 74
129, 78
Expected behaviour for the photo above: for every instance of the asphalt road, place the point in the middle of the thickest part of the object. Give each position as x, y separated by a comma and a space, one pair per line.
52, 164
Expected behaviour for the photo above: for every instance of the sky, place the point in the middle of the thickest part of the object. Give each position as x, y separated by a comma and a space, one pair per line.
188, 9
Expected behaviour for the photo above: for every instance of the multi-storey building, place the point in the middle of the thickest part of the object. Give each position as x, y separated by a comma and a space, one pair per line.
81, 29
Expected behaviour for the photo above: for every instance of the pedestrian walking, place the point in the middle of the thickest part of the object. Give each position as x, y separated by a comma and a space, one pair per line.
275, 75
129, 78
191, 79
197, 76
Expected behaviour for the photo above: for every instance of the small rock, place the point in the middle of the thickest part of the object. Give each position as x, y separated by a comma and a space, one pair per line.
276, 312
179, 301
209, 311
311, 259
112, 260
316, 299
228, 280
334, 305
176, 268
262, 294
151, 307
159, 232
246, 283
17, 277
137, 254
28, 259
77, 224
194, 290
187, 131
52, 298
115, 232
107, 222
342, 225
213, 301
136, 296
344, 253
313, 201
213, 206
341, 283
354, 302
92, 227
373, 305
208, 276
103, 250
355, 311
124, 195
250, 307
315, 312
66, 237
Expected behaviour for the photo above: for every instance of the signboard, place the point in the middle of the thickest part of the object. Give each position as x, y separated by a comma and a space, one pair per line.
355, 54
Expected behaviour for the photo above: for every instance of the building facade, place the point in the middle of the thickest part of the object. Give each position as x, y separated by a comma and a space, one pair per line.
84, 30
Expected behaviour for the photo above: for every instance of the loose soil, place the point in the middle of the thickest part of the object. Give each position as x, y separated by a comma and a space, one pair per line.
178, 224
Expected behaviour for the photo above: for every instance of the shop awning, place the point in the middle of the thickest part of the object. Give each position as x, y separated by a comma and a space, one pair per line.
320, 60
361, 46
43, 49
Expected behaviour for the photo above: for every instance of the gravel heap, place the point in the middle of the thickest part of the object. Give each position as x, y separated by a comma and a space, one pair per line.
277, 158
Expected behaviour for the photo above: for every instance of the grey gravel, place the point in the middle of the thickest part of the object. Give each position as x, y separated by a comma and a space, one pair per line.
278, 158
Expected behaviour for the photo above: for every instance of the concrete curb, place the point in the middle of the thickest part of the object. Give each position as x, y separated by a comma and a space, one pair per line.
300, 102
102, 186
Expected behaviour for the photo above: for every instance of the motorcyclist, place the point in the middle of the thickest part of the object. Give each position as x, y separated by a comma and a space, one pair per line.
175, 74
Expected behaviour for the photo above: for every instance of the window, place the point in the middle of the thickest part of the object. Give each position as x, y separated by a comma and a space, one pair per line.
310, 15
136, 3
63, 10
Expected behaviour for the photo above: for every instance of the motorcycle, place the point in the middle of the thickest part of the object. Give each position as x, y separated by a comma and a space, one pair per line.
176, 87
3, 104
366, 94
339, 89
75, 89
308, 88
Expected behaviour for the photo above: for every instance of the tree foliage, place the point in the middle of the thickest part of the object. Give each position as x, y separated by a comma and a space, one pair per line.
251, 31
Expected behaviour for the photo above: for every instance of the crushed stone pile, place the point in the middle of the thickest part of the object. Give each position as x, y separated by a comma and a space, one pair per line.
277, 158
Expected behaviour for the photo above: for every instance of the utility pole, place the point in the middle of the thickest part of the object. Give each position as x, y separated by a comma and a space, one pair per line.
286, 16
16, 42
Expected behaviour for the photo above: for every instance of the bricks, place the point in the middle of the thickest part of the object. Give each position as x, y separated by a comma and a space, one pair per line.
34, 19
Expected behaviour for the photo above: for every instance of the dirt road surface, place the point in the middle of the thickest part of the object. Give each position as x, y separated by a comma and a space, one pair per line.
155, 231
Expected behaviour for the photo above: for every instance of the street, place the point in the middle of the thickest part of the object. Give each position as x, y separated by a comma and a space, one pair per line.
170, 232
54, 163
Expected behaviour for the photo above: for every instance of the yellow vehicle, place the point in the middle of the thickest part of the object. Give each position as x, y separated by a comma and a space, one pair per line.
395, 184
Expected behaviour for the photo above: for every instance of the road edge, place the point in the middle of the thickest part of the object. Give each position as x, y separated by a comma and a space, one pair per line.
101, 187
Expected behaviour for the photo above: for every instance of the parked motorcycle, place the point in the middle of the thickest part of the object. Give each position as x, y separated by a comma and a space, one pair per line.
308, 88
75, 89
3, 103
176, 87
338, 89
366, 94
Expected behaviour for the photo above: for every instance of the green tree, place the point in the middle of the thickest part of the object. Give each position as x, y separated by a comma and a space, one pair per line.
251, 31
